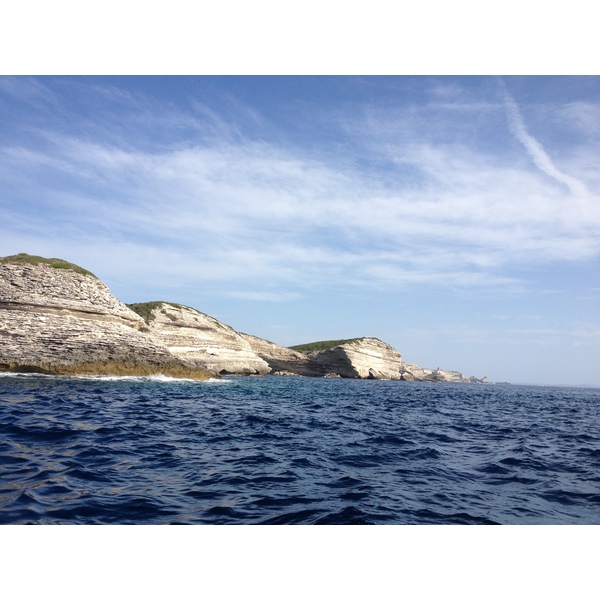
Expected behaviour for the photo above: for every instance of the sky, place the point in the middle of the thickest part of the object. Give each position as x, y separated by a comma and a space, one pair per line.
456, 218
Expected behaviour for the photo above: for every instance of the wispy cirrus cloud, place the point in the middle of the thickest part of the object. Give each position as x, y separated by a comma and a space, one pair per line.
229, 207
537, 152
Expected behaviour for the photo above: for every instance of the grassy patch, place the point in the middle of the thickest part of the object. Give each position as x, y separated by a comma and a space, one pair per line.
146, 309
319, 346
56, 263
169, 315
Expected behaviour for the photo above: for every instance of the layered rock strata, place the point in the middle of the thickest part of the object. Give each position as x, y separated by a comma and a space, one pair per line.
64, 321
56, 317
364, 358
201, 339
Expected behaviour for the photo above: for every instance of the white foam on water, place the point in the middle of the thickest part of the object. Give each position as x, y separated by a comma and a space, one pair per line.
24, 375
145, 378
158, 378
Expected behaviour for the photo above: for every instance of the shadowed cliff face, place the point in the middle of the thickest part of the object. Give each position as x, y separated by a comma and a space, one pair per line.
282, 361
64, 321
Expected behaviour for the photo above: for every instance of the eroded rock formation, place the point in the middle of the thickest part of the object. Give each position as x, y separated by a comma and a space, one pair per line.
363, 358
410, 372
58, 318
201, 339
66, 321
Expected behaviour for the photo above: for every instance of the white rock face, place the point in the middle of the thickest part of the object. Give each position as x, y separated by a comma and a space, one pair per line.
202, 339
412, 372
365, 358
61, 291
61, 321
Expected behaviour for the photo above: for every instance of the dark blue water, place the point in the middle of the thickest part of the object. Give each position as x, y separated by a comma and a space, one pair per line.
279, 450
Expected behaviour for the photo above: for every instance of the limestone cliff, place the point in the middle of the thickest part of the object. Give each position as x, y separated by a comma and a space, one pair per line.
362, 358
201, 339
58, 318
281, 360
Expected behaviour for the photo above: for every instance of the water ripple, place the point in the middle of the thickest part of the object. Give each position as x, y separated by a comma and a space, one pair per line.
296, 451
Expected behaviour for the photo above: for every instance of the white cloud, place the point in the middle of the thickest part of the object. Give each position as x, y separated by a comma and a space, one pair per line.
29, 90
242, 210
537, 152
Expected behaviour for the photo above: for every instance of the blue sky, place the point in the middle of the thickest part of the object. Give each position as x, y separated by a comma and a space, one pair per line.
456, 218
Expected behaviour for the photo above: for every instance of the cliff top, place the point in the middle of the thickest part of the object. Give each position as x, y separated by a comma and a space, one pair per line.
147, 310
56, 263
324, 345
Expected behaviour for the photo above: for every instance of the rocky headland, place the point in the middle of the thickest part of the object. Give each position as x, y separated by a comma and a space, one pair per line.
58, 318
360, 358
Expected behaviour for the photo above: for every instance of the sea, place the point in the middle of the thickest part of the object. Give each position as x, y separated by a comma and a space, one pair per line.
279, 450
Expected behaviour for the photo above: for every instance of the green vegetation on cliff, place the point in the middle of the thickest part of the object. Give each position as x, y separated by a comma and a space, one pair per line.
56, 263
319, 346
146, 310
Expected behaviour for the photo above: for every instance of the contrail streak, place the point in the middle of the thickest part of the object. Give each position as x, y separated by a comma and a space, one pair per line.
535, 149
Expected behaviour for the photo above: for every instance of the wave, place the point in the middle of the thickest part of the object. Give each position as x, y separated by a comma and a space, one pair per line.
158, 378
24, 375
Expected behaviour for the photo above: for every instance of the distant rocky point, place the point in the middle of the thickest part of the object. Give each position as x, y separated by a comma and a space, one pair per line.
58, 318
360, 358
